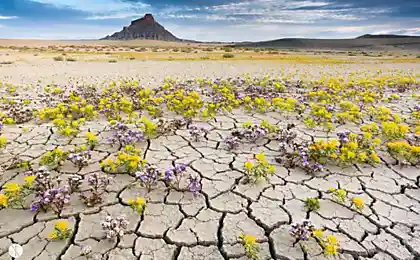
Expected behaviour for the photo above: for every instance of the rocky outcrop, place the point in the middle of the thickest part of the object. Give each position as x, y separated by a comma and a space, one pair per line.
144, 28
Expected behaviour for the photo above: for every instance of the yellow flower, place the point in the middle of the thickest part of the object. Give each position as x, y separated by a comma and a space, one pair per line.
30, 180
332, 240
249, 165
318, 233
53, 235
140, 201
260, 157
358, 203
11, 188
362, 157
62, 225
131, 202
3, 200
332, 189
375, 157
249, 239
271, 169
330, 249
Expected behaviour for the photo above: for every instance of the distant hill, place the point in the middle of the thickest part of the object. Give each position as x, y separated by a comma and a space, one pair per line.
145, 28
368, 41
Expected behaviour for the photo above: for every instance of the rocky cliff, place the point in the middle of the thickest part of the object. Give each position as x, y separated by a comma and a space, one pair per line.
144, 28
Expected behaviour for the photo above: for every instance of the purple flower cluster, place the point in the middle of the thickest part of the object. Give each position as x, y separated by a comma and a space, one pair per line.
79, 158
1, 126
254, 132
197, 132
302, 231
232, 142
343, 136
114, 227
416, 108
149, 176
173, 175
49, 194
74, 182
97, 185
54, 198
124, 135
194, 185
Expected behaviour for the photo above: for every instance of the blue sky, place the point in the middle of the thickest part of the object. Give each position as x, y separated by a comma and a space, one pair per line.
206, 20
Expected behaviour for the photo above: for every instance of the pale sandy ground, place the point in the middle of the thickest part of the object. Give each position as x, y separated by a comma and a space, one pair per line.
152, 72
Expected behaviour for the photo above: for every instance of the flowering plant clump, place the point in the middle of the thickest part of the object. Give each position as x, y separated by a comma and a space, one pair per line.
339, 195
97, 186
92, 139
74, 181
261, 169
123, 135
49, 194
149, 128
149, 176
14, 194
312, 204
194, 184
3, 142
404, 152
128, 161
173, 175
169, 126
306, 230
298, 156
138, 204
115, 227
79, 156
394, 131
54, 158
68, 127
61, 231
250, 245
197, 132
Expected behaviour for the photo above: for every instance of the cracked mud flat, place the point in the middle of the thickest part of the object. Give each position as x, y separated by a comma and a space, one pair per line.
180, 225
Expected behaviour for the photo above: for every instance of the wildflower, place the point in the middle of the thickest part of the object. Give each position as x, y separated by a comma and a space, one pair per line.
62, 225
260, 157
318, 233
137, 204
12, 188
330, 249
29, 180
4, 201
358, 203
249, 165
194, 186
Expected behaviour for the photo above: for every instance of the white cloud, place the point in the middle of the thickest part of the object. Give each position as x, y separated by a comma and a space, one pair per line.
7, 17
122, 15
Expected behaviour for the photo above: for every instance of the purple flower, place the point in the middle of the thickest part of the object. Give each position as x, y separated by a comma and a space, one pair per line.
194, 185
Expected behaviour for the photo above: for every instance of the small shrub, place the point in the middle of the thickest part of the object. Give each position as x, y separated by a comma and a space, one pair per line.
175, 50
132, 58
58, 58
112, 61
228, 56
204, 58
70, 59
6, 62
228, 49
312, 204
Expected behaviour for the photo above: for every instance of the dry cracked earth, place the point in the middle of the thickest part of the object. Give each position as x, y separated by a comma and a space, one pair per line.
181, 225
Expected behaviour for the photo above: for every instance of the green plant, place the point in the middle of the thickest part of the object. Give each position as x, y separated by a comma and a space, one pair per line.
250, 245
112, 61
312, 204
261, 169
58, 58
138, 204
228, 55
61, 231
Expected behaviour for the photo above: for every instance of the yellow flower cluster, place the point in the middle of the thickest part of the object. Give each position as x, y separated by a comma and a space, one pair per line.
61, 231
250, 245
138, 204
127, 161
394, 131
3, 142
261, 169
402, 150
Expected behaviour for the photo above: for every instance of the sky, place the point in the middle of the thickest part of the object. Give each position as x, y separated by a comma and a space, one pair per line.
210, 20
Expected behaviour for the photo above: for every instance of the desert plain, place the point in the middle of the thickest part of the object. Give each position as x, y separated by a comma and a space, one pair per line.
262, 140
